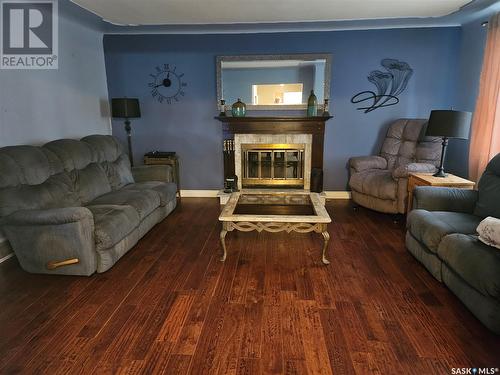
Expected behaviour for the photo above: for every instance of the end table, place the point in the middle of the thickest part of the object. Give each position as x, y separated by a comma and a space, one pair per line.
173, 161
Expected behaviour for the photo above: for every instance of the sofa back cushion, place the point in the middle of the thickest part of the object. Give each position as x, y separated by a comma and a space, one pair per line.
488, 203
91, 182
405, 143
79, 160
56, 191
112, 157
33, 178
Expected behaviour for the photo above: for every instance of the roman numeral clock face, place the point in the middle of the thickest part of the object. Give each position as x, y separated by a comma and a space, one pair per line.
167, 84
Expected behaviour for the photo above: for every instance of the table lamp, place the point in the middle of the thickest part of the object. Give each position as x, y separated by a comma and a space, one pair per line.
126, 108
448, 124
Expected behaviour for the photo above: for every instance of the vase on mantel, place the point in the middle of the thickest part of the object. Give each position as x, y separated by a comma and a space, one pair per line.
312, 105
239, 109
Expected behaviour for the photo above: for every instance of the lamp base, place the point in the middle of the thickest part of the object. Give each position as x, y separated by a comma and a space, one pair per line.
129, 141
440, 173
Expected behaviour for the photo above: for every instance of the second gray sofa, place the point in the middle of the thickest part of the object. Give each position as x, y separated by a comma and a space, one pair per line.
78, 202
442, 236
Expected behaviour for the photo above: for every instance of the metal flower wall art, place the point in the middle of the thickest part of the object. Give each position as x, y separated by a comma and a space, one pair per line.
389, 84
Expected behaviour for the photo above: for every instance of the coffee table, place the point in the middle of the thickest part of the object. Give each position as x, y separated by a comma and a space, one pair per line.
275, 211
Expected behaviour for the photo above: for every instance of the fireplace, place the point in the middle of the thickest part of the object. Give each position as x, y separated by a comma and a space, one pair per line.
273, 152
272, 165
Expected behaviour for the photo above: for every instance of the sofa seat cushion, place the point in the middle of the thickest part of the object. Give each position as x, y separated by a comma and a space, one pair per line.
144, 202
112, 223
376, 183
429, 227
166, 190
473, 261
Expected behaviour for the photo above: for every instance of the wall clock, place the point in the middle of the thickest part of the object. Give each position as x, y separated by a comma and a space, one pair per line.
167, 85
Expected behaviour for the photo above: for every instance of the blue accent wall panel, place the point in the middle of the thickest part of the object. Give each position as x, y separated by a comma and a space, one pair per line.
189, 127
37, 106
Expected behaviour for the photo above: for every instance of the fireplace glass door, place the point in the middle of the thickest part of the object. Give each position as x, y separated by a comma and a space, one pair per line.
273, 165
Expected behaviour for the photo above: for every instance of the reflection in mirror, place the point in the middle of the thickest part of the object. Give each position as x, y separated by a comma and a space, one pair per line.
282, 93
273, 81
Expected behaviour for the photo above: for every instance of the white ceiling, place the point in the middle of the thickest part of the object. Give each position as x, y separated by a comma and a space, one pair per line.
195, 12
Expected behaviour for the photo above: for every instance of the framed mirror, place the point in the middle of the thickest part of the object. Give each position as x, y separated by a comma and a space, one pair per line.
273, 82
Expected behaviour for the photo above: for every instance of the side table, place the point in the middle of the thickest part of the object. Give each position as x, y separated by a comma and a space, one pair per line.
427, 179
173, 161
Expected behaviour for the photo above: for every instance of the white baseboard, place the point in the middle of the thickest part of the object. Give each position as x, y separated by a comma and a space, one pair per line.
338, 194
213, 194
6, 257
199, 193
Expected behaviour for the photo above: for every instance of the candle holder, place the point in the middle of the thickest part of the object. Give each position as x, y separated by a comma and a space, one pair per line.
325, 108
222, 108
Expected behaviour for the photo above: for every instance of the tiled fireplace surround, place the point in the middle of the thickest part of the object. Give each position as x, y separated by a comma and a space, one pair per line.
307, 131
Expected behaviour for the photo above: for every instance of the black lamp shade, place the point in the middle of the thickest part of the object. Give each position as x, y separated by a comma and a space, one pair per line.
449, 124
125, 108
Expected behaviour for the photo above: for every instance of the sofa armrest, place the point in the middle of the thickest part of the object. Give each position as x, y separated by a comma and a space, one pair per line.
54, 216
432, 198
145, 173
362, 163
403, 171
54, 241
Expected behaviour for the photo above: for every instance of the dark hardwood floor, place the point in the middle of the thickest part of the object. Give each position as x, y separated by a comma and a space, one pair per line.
171, 306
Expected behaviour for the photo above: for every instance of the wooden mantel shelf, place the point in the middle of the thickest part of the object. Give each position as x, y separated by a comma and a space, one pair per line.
254, 119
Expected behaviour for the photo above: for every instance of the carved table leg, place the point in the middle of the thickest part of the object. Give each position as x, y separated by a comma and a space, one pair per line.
223, 233
326, 237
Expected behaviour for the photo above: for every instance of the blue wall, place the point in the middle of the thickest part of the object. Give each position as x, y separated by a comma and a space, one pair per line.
189, 128
37, 106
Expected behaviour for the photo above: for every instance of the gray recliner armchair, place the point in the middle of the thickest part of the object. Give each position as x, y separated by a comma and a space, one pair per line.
381, 182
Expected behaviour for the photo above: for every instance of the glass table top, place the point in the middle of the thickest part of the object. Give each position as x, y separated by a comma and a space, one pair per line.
274, 204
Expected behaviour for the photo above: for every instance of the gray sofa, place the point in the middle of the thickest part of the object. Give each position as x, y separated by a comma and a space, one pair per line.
442, 236
78, 202
381, 182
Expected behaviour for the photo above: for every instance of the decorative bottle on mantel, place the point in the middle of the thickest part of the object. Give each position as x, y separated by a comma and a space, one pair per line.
239, 109
312, 105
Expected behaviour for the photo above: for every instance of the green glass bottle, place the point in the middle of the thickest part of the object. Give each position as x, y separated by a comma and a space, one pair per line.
239, 109
312, 105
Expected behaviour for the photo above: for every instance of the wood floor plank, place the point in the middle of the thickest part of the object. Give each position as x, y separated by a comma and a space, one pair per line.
272, 342
251, 345
315, 350
293, 346
249, 366
338, 352
178, 364
191, 331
